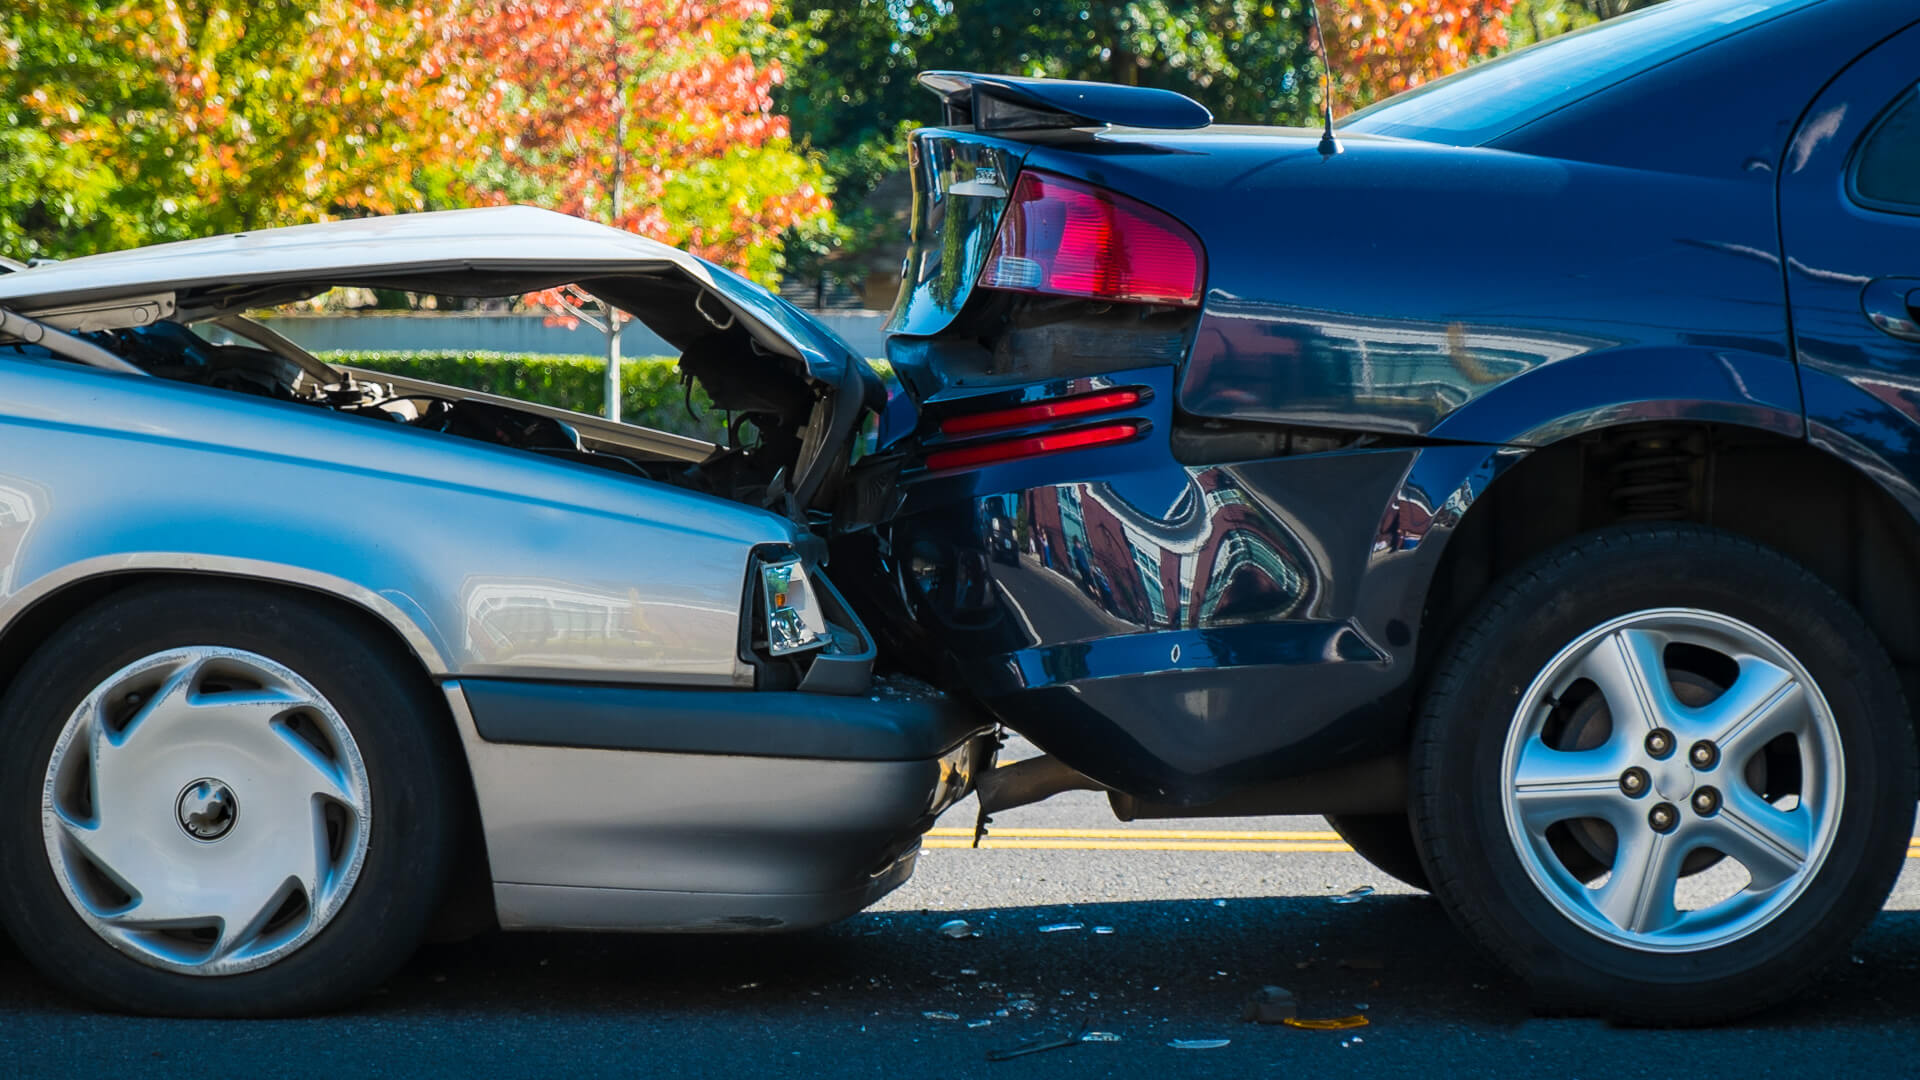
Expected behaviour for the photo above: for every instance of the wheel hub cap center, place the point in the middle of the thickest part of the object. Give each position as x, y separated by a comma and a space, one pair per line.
1672, 778
207, 809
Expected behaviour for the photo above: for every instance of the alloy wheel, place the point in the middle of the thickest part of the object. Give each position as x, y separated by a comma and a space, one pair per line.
1660, 746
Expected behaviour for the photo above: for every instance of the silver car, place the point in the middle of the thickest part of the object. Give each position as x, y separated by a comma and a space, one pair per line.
303, 663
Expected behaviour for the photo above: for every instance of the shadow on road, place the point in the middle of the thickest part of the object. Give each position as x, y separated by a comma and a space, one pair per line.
1166, 965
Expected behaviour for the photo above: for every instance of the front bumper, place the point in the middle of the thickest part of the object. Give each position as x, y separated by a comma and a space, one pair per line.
643, 809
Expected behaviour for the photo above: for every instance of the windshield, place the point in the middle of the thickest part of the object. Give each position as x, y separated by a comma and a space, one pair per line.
1491, 99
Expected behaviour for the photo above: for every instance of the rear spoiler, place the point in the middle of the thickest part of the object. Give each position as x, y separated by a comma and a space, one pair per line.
1016, 103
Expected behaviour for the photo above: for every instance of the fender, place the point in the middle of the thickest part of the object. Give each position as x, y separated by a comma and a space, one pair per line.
1752, 387
398, 611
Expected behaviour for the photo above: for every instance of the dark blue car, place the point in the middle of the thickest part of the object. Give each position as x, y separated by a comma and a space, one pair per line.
1526, 478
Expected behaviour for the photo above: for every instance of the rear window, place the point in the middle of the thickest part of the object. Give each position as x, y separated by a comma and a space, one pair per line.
1491, 99
1887, 174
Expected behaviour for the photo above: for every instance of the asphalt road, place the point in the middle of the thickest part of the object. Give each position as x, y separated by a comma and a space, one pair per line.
1196, 926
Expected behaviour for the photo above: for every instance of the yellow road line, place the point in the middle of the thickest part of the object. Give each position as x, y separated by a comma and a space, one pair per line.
1146, 834
1032, 844
1249, 840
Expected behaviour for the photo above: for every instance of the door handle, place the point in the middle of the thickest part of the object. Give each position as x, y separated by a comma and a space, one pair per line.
1893, 307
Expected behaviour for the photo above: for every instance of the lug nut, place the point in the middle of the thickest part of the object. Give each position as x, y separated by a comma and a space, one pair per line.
1706, 801
1704, 755
1659, 742
1634, 782
1663, 817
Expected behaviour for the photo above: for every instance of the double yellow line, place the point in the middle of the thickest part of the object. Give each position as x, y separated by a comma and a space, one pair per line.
1139, 840
1015, 839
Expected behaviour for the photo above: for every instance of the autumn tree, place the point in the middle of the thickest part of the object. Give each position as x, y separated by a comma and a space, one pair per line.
1380, 47
654, 116
132, 121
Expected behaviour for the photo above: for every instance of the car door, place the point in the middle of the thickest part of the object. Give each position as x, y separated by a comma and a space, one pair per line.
1850, 230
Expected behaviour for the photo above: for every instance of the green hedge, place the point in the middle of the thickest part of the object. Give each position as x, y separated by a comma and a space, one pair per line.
650, 390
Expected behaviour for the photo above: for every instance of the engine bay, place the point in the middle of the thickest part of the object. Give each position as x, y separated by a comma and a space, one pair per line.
769, 410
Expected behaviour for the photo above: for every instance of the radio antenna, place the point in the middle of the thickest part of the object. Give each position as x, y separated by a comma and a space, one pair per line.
1329, 145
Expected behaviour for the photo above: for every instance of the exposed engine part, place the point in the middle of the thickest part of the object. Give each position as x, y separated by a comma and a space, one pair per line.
781, 414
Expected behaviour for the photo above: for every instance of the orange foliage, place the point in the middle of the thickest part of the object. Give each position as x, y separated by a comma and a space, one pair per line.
1381, 47
650, 115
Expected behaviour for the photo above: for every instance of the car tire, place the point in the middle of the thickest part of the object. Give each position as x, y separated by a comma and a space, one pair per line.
1524, 789
312, 834
1385, 841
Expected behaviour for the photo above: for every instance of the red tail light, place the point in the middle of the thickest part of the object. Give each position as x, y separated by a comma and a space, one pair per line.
964, 457
1039, 412
1067, 238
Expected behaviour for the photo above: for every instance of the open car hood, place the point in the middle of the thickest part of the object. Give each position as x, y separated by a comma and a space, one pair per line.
451, 252
495, 251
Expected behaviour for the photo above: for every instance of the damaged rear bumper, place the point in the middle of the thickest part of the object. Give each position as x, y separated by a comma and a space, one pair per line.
630, 808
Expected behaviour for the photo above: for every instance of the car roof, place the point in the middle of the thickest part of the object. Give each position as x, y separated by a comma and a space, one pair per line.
497, 238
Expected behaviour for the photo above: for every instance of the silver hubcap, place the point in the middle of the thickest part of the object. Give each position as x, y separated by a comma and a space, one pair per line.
208, 809
143, 810
1673, 780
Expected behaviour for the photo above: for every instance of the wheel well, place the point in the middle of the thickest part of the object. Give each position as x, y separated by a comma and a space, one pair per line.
1782, 492
470, 892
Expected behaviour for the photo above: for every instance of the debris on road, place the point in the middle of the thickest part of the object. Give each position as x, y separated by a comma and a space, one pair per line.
1103, 929
1054, 928
1334, 1023
1353, 896
941, 1015
1037, 1046
979, 1023
1271, 1005
958, 928
1100, 1036
1199, 1044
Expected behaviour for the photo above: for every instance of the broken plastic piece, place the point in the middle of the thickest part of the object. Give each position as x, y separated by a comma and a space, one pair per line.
1199, 1044
1270, 1005
1054, 928
1100, 1036
958, 928
1353, 896
1103, 929
941, 1015
979, 1023
1335, 1023
1037, 1046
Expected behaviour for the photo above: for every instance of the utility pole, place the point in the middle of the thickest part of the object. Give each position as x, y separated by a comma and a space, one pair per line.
617, 189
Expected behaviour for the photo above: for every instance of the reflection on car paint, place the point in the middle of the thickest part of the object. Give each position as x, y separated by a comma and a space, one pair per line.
1259, 360
552, 623
953, 223
1210, 558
